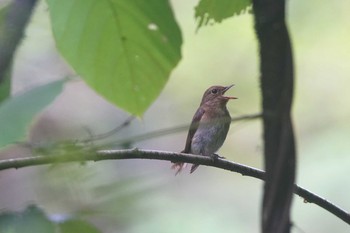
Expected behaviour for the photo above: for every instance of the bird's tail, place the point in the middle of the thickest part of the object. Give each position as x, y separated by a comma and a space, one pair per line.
194, 167
178, 167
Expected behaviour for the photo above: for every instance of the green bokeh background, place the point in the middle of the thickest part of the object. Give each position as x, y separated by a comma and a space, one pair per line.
145, 196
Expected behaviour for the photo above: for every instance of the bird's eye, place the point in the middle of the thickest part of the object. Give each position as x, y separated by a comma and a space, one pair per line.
214, 91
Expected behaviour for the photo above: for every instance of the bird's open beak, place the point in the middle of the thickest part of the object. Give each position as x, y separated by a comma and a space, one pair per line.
228, 97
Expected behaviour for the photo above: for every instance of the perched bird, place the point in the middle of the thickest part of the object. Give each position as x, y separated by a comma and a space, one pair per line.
209, 127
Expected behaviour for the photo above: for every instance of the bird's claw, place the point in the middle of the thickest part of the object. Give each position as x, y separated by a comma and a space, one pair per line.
215, 157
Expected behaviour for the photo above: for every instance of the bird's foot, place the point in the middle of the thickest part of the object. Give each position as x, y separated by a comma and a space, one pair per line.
215, 157
218, 156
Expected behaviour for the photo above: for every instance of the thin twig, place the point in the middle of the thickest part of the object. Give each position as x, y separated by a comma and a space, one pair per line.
174, 157
180, 128
109, 133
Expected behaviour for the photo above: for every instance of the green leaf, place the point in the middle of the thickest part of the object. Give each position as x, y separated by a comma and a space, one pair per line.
18, 111
125, 50
32, 220
3, 13
217, 10
5, 83
74, 226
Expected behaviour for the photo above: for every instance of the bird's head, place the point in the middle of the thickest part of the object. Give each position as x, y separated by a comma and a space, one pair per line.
215, 94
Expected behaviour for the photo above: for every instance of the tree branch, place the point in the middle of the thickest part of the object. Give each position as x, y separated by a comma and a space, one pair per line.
174, 157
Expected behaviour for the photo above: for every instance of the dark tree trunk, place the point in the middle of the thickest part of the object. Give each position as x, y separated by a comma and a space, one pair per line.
11, 32
276, 67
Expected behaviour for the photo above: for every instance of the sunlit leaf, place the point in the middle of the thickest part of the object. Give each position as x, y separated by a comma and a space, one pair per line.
18, 111
125, 50
208, 11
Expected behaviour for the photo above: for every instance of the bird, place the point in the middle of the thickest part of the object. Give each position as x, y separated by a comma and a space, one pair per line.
209, 127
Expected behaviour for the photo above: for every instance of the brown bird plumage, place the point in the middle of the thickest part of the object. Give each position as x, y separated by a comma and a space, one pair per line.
209, 127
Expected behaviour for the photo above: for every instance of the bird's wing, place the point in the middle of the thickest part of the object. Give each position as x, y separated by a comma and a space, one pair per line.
193, 128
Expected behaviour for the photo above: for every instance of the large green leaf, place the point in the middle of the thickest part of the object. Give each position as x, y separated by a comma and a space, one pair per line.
17, 112
124, 49
217, 10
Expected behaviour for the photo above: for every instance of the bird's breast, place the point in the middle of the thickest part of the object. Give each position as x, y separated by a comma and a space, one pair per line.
211, 134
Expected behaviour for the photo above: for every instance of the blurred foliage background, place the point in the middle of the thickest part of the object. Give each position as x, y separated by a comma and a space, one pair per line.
145, 196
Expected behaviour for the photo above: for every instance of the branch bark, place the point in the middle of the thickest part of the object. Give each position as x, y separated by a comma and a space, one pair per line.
174, 157
276, 67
